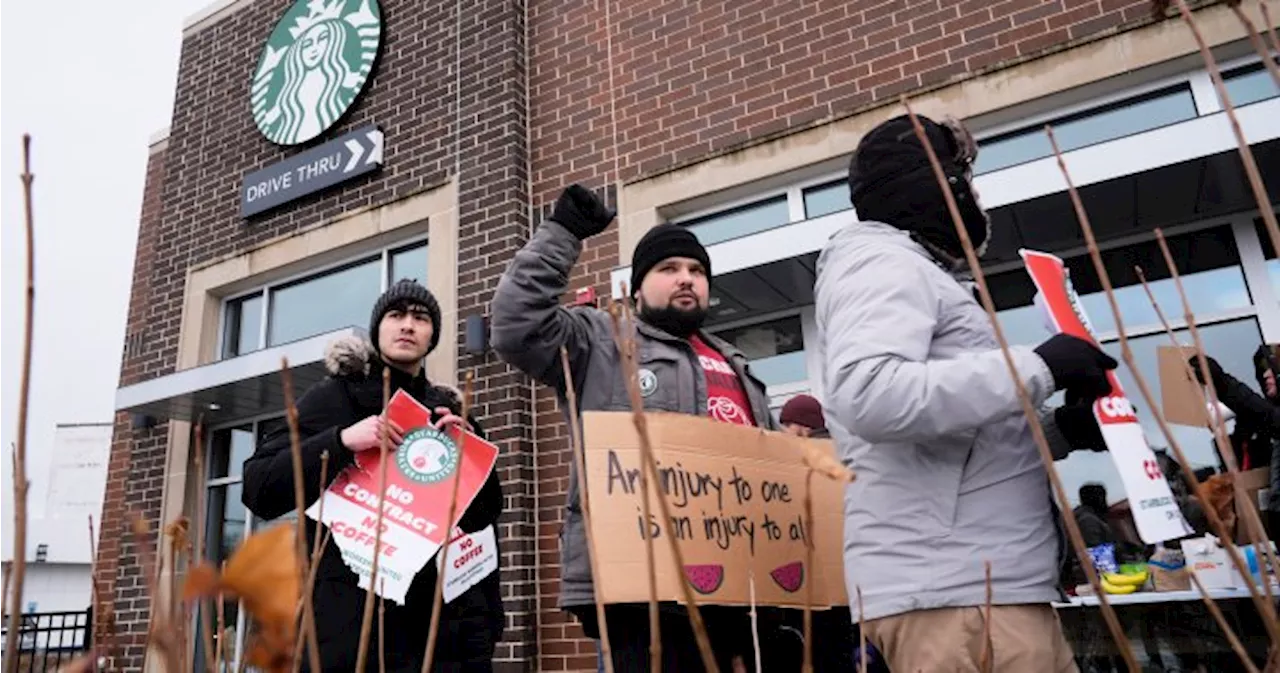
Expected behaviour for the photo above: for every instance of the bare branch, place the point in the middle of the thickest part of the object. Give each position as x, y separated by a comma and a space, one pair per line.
317, 550
579, 458
20, 484
1246, 153
1271, 30
807, 666
655, 636
988, 654
1253, 523
308, 630
434, 631
1222, 623
366, 621
1127, 353
862, 634
1258, 45
1033, 419
631, 371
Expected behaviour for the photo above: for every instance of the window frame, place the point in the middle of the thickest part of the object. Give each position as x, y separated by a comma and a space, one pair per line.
264, 290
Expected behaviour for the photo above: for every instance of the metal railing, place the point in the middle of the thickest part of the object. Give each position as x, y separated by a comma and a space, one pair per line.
49, 640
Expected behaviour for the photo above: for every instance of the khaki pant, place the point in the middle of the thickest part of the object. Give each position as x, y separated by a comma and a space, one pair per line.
1025, 638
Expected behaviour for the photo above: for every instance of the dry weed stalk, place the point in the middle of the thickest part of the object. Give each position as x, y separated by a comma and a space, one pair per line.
631, 372
450, 521
160, 632
580, 461
1211, 514
862, 635
366, 621
20, 483
1256, 39
219, 645
1246, 154
1222, 623
988, 660
807, 666
1126, 353
651, 567
382, 631
1271, 31
308, 631
1033, 419
318, 546
755, 618
1253, 522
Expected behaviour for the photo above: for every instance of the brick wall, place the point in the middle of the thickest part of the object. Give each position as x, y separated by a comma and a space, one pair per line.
694, 80
192, 216
122, 594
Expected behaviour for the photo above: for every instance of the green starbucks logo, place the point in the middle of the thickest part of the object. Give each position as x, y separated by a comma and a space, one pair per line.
313, 66
427, 456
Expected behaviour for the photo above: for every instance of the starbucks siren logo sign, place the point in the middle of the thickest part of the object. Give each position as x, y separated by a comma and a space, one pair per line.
313, 66
427, 456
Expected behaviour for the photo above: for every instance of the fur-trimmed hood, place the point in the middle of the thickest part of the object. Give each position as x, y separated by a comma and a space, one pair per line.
352, 357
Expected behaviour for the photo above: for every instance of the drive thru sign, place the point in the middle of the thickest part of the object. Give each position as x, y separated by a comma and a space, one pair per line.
1155, 512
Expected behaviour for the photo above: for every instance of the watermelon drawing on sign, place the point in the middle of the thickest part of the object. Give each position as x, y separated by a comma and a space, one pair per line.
704, 578
789, 576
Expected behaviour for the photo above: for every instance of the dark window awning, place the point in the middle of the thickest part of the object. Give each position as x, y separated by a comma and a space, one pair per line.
237, 388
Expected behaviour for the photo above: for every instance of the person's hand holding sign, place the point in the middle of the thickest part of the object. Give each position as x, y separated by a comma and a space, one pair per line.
367, 434
446, 420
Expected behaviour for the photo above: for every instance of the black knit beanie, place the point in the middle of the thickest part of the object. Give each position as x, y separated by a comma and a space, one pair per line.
891, 181
404, 293
662, 242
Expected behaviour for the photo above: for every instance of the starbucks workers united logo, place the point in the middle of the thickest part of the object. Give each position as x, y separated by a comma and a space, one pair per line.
313, 66
427, 456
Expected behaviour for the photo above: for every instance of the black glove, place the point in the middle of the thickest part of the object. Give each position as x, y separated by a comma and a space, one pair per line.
1215, 371
580, 211
1078, 425
1077, 365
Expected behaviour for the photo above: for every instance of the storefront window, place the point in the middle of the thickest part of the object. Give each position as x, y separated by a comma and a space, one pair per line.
775, 349
317, 305
749, 219
242, 332
832, 197
321, 303
1250, 85
409, 262
1125, 118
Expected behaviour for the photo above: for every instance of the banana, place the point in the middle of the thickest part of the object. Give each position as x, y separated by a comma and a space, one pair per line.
1117, 589
1118, 579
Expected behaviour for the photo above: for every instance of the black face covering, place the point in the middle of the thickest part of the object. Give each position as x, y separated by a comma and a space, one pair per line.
676, 322
891, 181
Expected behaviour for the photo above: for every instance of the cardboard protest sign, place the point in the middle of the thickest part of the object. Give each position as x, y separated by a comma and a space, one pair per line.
1155, 512
420, 474
736, 495
1177, 391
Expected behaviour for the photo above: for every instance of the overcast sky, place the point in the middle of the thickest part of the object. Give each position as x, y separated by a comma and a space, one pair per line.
91, 81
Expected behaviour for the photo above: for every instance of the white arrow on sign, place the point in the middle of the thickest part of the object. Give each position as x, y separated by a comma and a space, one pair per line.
357, 151
375, 154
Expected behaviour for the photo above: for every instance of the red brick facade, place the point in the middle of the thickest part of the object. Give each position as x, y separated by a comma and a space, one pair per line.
692, 80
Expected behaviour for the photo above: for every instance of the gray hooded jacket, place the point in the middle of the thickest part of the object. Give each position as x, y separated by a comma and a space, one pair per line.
529, 328
920, 403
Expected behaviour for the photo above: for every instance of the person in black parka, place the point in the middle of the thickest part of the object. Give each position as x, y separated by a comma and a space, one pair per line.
341, 415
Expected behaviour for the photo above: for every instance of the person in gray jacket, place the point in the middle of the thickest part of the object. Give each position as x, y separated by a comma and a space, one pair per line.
920, 403
682, 369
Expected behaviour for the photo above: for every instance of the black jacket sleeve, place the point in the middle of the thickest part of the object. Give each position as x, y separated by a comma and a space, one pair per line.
268, 473
1252, 409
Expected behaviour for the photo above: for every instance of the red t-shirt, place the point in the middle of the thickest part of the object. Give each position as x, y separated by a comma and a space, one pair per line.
726, 398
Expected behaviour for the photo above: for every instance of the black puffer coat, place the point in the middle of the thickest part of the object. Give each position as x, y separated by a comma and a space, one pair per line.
472, 624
